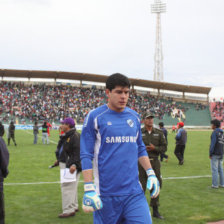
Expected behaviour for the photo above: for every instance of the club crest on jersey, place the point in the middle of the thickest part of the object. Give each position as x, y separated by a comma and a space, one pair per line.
130, 123
109, 123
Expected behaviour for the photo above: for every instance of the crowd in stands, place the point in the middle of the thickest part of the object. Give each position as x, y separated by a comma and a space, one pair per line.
149, 103
217, 110
55, 102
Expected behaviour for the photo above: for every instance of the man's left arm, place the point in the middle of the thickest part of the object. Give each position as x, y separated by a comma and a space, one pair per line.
152, 181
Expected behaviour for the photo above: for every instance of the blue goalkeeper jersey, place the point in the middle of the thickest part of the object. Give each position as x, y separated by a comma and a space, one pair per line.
113, 141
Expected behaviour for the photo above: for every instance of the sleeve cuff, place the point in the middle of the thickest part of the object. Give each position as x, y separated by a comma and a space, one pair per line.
86, 164
143, 153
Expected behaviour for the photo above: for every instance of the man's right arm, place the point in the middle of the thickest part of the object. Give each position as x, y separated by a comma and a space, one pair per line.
87, 142
91, 200
87, 176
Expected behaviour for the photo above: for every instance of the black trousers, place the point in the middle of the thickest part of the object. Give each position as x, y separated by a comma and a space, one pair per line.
162, 156
179, 152
2, 207
11, 136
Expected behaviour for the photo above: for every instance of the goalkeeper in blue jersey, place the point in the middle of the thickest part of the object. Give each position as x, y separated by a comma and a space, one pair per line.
111, 147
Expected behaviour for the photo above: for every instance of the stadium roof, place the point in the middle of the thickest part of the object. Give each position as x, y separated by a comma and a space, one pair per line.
102, 78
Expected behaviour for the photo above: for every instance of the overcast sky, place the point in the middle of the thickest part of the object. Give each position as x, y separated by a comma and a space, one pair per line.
107, 36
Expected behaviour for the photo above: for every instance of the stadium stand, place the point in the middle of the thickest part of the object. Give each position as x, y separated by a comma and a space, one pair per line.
26, 103
217, 111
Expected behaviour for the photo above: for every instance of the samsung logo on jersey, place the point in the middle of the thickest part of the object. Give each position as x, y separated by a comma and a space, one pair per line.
121, 139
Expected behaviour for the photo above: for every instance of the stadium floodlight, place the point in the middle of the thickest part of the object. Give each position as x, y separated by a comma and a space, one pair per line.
158, 7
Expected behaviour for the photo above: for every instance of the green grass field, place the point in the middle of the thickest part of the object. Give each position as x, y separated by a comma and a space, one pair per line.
182, 200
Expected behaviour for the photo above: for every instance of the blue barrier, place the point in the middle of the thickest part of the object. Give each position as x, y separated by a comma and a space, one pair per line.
30, 127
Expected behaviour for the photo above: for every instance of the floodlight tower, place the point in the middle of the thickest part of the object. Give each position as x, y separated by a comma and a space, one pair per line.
158, 7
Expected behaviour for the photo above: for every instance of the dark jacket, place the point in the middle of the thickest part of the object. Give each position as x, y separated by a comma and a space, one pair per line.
181, 137
165, 133
68, 149
4, 160
44, 128
156, 138
11, 129
2, 130
217, 142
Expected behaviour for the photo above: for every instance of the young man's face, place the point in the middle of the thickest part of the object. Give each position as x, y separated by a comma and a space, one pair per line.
148, 122
118, 98
213, 126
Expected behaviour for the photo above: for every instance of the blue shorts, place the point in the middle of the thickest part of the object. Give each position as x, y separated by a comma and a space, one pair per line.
132, 209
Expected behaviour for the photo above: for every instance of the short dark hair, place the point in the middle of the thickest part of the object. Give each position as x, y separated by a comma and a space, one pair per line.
161, 124
216, 123
117, 79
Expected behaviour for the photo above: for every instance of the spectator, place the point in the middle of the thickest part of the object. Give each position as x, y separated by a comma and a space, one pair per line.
165, 133
181, 140
2, 129
216, 154
35, 132
4, 161
49, 126
11, 133
44, 133
68, 156
173, 128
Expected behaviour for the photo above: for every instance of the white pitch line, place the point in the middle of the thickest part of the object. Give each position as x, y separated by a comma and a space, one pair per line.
35, 183
58, 182
188, 177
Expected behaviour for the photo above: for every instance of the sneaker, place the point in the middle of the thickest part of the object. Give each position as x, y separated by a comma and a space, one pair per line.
66, 215
216, 187
222, 186
181, 162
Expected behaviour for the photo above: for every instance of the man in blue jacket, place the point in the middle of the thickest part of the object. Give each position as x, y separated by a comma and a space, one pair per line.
216, 154
181, 140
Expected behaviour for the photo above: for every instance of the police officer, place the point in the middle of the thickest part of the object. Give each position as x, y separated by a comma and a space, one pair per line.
155, 143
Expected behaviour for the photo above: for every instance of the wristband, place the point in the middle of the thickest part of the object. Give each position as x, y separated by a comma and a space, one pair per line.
89, 186
150, 172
